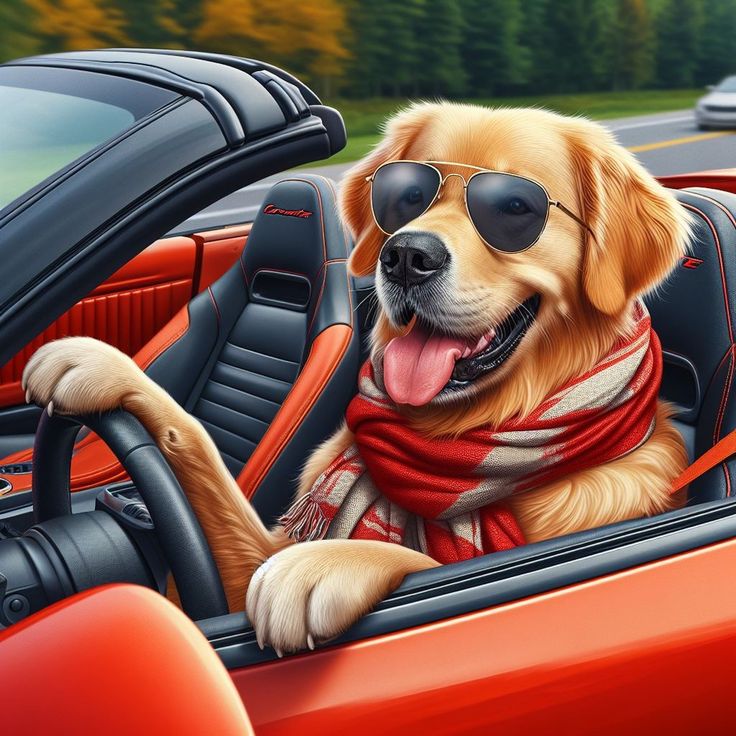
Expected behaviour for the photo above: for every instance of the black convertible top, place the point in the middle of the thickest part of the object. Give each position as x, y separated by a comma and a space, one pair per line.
206, 125
248, 98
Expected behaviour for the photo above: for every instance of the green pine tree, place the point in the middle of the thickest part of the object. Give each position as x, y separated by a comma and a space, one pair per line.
384, 51
495, 59
716, 56
188, 17
16, 36
631, 45
535, 34
440, 35
152, 23
560, 47
679, 38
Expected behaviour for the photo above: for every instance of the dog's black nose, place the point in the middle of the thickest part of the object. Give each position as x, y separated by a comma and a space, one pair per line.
411, 258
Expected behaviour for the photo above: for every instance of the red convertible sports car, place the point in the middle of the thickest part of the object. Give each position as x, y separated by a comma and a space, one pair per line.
257, 330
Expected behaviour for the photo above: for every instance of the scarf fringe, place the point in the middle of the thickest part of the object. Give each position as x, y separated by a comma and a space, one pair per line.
304, 521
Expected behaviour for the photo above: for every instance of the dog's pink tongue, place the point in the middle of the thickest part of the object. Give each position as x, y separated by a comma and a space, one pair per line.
417, 365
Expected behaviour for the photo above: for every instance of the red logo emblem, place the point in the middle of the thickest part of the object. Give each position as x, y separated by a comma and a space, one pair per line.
690, 262
272, 209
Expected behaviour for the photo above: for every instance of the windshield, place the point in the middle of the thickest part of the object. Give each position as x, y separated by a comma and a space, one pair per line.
727, 85
50, 119
45, 131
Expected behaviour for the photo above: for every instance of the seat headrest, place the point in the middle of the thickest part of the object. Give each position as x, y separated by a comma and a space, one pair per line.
693, 312
297, 229
296, 254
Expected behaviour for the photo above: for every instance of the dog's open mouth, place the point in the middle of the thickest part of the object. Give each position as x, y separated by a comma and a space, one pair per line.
425, 363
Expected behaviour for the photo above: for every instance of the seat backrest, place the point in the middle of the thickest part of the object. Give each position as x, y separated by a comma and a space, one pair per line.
270, 354
694, 314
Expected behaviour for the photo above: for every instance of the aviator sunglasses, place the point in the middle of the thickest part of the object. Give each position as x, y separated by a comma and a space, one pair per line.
509, 212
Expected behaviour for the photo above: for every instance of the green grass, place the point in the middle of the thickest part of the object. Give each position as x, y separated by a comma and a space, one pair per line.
364, 117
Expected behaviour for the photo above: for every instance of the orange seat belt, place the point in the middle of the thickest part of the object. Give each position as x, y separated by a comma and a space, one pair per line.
721, 451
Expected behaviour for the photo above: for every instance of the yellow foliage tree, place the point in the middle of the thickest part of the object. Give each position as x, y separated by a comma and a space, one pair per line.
77, 24
306, 36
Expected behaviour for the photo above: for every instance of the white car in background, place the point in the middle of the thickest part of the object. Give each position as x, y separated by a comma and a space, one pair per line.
718, 108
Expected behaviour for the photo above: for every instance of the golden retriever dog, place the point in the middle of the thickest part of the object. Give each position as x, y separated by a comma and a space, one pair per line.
611, 233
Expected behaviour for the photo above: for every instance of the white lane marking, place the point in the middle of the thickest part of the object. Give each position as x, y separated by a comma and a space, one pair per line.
649, 123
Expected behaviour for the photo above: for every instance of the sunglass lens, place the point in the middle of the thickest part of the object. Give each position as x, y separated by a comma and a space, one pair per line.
508, 212
401, 192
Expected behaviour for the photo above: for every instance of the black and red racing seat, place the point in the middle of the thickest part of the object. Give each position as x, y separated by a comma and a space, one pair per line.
267, 357
694, 314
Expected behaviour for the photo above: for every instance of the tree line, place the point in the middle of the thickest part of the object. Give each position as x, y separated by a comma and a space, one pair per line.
366, 48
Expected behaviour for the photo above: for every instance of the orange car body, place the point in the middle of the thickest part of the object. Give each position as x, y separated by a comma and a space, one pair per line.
649, 650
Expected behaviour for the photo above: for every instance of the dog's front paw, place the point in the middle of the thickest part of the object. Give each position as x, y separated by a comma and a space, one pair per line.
314, 591
77, 375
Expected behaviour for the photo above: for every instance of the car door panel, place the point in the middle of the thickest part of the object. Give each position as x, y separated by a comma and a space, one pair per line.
73, 654
651, 646
125, 311
129, 308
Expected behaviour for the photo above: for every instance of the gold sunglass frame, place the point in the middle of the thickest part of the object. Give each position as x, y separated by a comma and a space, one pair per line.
478, 170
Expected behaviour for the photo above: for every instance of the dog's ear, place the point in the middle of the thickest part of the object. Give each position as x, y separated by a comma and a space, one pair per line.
355, 207
640, 230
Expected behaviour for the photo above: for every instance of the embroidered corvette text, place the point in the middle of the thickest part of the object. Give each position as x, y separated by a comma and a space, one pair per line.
272, 209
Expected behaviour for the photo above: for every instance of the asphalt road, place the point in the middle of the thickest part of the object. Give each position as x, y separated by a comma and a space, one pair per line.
666, 143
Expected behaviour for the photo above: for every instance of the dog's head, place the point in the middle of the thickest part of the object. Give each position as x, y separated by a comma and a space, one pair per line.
461, 320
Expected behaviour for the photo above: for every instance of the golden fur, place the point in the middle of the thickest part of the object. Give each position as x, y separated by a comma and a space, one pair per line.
313, 591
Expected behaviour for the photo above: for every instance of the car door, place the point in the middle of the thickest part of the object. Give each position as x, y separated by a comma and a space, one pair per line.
628, 628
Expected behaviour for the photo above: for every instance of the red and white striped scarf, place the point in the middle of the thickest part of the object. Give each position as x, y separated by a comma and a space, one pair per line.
444, 496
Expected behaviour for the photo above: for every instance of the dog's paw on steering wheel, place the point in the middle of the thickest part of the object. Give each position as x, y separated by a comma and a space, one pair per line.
78, 375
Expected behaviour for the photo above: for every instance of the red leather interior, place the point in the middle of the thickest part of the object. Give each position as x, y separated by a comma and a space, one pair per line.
126, 311
93, 465
163, 339
137, 301
725, 180
115, 660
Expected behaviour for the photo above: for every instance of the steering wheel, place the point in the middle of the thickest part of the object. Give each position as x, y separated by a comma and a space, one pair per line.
177, 530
